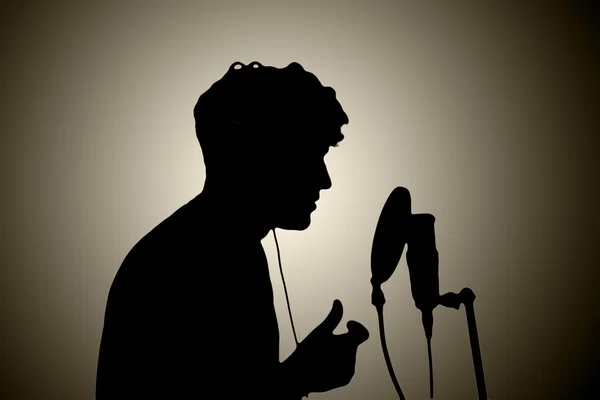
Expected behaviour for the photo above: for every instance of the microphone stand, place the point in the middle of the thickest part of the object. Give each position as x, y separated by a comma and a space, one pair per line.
397, 227
467, 297
450, 300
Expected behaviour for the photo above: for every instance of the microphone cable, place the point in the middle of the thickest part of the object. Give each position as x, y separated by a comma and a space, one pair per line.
287, 300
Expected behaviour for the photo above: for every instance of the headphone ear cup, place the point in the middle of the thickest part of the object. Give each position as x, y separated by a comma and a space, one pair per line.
259, 158
262, 151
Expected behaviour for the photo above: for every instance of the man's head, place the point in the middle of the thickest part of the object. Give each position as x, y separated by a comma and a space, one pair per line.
264, 132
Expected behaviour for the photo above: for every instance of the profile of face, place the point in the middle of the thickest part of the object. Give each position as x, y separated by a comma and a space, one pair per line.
293, 182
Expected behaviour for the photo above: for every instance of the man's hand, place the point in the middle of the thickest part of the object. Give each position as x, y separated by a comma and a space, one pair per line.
324, 361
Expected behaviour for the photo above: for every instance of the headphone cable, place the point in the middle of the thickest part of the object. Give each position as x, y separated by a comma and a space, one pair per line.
285, 288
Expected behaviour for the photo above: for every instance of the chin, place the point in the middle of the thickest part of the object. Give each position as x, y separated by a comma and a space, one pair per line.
298, 223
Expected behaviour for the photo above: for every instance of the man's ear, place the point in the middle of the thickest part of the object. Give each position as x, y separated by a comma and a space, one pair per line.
261, 152
256, 158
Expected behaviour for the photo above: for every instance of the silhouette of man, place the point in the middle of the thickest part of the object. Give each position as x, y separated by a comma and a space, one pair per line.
190, 312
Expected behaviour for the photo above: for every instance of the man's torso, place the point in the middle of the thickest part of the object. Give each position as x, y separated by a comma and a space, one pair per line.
190, 311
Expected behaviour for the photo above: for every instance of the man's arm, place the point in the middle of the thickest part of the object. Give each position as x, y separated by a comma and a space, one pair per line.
290, 385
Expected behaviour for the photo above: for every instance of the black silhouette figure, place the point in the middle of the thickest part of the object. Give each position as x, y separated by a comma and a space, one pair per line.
190, 313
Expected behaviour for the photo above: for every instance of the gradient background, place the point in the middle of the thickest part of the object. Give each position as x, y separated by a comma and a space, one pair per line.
488, 114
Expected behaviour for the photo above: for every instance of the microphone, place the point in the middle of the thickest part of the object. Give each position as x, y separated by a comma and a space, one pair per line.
397, 227
423, 261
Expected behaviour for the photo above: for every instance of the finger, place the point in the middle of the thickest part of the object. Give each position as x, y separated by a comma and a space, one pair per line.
357, 332
333, 319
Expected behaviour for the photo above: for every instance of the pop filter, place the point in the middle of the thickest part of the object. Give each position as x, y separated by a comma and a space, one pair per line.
391, 234
390, 237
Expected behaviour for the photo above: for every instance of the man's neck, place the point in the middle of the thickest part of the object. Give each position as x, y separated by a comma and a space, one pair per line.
237, 211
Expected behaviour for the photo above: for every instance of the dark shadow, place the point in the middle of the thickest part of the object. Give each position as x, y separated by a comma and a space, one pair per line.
190, 312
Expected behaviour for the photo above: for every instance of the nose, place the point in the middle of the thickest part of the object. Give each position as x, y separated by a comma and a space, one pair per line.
326, 179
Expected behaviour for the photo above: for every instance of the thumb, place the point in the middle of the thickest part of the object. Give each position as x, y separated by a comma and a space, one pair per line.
357, 332
333, 318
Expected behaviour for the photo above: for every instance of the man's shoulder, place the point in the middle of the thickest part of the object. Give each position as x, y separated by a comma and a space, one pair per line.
162, 258
184, 225
189, 234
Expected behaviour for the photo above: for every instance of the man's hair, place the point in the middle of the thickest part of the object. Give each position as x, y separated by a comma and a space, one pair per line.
255, 104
